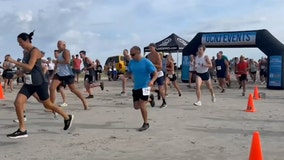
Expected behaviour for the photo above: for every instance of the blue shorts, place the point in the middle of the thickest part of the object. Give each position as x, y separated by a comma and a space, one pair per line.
221, 74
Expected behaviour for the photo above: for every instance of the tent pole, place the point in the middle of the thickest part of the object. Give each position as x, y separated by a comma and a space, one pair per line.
177, 65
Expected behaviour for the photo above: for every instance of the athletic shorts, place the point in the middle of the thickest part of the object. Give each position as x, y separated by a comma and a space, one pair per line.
66, 79
243, 77
221, 74
138, 95
89, 78
203, 76
262, 73
160, 81
172, 77
41, 90
76, 71
62, 84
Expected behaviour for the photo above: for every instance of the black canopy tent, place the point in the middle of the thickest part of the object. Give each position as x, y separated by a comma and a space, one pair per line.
172, 43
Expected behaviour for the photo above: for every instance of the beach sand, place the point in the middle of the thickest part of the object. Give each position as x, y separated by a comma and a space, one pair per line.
215, 131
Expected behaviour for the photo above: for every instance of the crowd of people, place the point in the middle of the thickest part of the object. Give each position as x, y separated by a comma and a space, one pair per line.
154, 73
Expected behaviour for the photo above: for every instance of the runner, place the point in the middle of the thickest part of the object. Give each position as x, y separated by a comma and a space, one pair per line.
202, 64
191, 70
64, 74
171, 76
222, 69
35, 82
141, 69
7, 74
154, 57
242, 69
124, 78
89, 69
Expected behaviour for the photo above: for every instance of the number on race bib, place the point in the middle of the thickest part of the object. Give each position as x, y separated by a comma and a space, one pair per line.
160, 74
146, 91
28, 79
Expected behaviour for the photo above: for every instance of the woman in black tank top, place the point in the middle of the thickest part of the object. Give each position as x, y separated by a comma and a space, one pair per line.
35, 82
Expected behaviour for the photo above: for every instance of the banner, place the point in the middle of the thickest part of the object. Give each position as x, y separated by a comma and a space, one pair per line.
229, 39
275, 71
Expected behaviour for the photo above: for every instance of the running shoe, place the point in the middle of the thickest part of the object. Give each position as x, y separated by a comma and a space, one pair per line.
68, 122
164, 105
198, 103
144, 127
102, 85
63, 105
213, 98
90, 96
18, 134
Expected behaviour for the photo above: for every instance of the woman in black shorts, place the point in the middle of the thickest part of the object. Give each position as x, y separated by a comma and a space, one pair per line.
35, 82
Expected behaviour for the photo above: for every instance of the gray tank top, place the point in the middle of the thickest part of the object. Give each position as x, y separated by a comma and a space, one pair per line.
63, 69
38, 77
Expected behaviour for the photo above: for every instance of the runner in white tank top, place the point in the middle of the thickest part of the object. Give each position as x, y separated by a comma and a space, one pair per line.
202, 64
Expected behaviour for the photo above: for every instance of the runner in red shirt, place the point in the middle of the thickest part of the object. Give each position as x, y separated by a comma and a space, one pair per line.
242, 69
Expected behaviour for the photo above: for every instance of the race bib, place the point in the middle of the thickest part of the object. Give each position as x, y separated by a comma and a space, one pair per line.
87, 72
170, 76
146, 91
114, 69
109, 69
28, 79
262, 67
218, 68
160, 74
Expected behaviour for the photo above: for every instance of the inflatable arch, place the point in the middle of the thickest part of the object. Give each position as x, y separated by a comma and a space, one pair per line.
261, 39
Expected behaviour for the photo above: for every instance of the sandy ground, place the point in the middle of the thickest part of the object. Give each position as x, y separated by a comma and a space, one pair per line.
215, 131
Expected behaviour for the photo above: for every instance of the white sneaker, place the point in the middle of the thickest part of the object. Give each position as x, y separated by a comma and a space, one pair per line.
198, 103
17, 121
213, 98
63, 105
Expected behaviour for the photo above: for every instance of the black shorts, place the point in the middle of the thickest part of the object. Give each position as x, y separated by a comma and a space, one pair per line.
262, 73
62, 84
8, 74
243, 77
41, 90
66, 79
138, 95
89, 78
253, 72
203, 76
172, 77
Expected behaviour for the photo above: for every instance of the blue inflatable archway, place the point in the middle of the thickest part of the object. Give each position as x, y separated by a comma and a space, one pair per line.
261, 39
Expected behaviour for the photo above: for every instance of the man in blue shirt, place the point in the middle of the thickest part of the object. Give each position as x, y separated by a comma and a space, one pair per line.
141, 68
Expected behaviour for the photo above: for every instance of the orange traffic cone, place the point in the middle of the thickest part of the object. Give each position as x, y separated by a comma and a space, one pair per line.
256, 95
250, 106
255, 150
1, 92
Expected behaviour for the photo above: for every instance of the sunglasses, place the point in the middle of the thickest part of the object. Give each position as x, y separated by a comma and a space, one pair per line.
132, 55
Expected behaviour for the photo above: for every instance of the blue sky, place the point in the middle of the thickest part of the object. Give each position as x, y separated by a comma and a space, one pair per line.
105, 27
